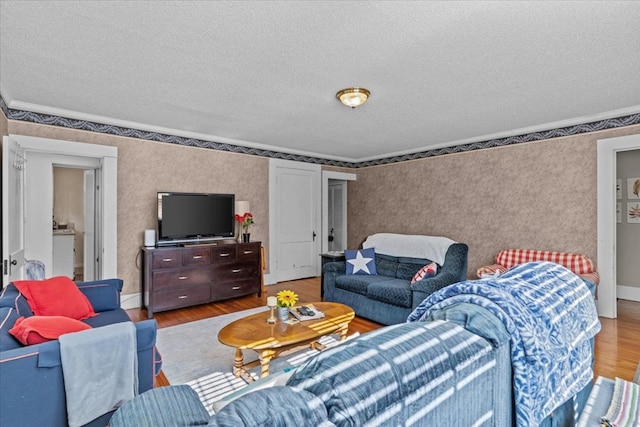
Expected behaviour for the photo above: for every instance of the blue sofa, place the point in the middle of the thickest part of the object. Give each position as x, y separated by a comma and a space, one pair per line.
388, 296
31, 381
454, 364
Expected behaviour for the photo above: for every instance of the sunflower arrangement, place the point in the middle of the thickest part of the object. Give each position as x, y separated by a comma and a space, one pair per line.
286, 298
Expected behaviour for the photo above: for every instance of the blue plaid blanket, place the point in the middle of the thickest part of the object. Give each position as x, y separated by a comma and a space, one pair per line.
551, 317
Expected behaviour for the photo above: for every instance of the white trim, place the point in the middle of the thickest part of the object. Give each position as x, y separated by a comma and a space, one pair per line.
606, 218
60, 112
56, 146
631, 293
108, 157
130, 301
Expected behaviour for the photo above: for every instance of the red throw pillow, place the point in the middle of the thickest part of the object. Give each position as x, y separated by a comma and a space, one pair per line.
57, 296
428, 270
39, 329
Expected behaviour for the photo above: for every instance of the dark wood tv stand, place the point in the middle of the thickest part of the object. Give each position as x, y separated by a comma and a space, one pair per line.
182, 276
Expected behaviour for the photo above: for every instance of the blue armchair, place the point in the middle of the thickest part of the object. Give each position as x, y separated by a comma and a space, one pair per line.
32, 384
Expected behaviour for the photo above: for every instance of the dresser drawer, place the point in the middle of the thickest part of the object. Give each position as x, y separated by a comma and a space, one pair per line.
220, 291
223, 254
197, 256
181, 297
248, 251
167, 259
239, 270
182, 277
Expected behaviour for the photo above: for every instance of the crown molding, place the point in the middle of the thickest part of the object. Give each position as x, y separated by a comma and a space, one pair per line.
74, 120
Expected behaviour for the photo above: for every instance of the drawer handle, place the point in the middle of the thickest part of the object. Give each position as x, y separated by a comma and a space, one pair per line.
197, 256
248, 252
225, 254
183, 296
237, 270
182, 277
235, 288
167, 259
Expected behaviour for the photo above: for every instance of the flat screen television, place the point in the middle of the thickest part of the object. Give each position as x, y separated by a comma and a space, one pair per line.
194, 217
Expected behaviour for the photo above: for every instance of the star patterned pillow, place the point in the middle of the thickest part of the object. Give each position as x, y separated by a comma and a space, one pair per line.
361, 261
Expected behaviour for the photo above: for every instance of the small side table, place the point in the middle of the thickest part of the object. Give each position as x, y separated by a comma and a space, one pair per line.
326, 257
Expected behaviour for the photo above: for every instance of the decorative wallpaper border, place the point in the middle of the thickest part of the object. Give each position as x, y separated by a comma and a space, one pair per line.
52, 120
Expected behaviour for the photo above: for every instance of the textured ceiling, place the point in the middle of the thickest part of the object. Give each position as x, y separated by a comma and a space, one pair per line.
265, 74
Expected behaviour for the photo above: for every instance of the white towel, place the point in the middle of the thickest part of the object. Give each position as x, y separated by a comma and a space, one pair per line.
433, 248
100, 370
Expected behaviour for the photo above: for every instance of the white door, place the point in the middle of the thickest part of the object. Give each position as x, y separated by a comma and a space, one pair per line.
89, 254
337, 238
13, 164
295, 219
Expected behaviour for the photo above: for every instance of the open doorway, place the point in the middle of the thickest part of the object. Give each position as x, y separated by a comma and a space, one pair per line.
334, 210
27, 202
607, 221
74, 223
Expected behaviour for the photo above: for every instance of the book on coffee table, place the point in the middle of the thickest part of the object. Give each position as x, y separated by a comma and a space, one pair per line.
297, 312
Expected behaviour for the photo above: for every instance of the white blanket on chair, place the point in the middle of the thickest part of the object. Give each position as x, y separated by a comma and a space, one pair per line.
100, 370
433, 248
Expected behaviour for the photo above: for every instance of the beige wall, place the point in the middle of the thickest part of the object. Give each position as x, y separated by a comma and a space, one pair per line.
534, 195
146, 167
538, 195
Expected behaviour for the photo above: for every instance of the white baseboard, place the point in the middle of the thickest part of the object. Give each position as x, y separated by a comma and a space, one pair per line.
628, 292
130, 301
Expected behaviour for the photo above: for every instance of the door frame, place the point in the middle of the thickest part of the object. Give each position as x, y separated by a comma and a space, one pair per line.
606, 219
107, 197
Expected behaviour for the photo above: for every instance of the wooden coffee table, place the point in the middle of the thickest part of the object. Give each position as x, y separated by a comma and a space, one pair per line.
270, 339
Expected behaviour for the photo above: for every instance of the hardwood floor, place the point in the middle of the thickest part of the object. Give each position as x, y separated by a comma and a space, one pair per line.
617, 351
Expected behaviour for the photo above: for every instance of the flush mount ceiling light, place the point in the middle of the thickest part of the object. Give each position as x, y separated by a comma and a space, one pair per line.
353, 96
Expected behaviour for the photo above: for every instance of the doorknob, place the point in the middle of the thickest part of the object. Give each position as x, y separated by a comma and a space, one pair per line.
14, 262
314, 236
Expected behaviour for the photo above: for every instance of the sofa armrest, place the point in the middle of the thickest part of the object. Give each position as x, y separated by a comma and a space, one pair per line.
426, 287
102, 294
32, 391
337, 267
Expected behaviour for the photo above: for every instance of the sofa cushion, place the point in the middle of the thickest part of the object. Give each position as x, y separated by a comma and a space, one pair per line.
392, 291
39, 329
57, 296
107, 318
8, 317
428, 270
11, 297
177, 405
275, 406
358, 283
398, 374
408, 267
361, 261
386, 265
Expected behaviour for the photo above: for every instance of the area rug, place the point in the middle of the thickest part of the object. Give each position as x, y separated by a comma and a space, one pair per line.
191, 350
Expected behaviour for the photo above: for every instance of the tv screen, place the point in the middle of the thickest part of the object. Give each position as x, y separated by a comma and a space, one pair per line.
184, 217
